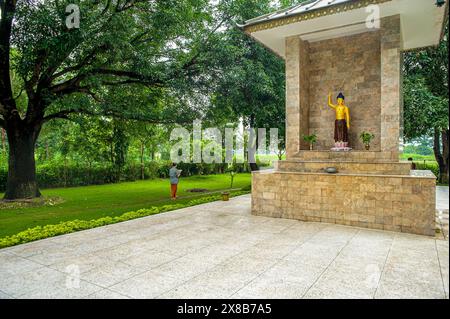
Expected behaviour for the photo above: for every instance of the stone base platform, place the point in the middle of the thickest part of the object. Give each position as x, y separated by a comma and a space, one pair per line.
402, 203
350, 156
318, 166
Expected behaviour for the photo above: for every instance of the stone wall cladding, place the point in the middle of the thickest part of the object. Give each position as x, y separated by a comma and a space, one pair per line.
350, 64
393, 203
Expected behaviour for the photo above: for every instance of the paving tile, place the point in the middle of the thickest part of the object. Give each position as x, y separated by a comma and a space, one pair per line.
445, 280
121, 252
111, 273
216, 253
268, 287
39, 279
84, 262
185, 268
184, 246
316, 293
315, 255
396, 290
35, 248
4, 296
214, 284
221, 281
148, 259
358, 265
294, 272
148, 285
361, 284
106, 294
427, 261
84, 289
55, 256
243, 263
11, 265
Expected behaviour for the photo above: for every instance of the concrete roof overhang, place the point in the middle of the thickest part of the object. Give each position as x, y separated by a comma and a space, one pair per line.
422, 21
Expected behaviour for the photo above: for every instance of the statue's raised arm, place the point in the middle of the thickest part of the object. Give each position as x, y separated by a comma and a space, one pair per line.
330, 104
347, 115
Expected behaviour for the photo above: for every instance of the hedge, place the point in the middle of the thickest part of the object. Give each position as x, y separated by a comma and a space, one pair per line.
57, 175
41, 232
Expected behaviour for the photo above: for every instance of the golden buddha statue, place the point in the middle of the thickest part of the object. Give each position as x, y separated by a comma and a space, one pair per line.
342, 122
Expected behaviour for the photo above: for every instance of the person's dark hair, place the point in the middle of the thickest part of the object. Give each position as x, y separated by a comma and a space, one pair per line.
174, 164
410, 158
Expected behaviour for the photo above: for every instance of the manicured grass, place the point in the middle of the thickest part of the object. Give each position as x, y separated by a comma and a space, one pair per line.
92, 202
418, 157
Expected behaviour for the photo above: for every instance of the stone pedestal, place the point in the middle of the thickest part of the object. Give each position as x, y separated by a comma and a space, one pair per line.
403, 203
371, 188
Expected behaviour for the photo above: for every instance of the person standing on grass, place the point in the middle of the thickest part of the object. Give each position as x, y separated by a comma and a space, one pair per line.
413, 165
173, 175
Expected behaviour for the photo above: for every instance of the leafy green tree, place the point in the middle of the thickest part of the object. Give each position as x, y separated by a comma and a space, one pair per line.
123, 54
426, 100
252, 87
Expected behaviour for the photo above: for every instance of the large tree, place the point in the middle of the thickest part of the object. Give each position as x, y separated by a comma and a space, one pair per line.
123, 53
252, 88
426, 100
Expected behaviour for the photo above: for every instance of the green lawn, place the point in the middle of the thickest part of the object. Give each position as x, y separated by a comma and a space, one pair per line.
92, 202
418, 157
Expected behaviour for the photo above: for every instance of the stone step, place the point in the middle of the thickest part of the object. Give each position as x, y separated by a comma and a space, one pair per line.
318, 166
350, 156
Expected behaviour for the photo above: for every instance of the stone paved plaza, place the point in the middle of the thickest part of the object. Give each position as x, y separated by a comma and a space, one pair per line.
219, 250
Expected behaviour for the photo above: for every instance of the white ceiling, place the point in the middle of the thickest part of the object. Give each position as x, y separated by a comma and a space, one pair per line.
421, 24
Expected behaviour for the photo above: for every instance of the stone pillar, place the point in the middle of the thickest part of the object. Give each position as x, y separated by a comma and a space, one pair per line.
390, 45
304, 93
296, 94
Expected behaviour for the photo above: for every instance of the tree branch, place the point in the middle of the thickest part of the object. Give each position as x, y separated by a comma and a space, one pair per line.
85, 61
7, 8
64, 114
73, 85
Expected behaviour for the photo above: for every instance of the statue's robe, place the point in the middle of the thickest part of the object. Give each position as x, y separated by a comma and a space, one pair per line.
340, 131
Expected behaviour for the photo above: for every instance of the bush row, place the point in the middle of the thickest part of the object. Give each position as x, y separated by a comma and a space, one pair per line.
56, 175
41, 232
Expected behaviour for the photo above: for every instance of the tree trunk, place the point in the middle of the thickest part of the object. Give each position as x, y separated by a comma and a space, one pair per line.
47, 151
22, 181
253, 142
443, 171
3, 140
442, 158
142, 161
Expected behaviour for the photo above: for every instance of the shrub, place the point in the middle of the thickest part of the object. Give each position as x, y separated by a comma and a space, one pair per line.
51, 175
366, 137
41, 232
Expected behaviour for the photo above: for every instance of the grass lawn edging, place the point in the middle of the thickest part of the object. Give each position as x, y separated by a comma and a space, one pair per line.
41, 232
